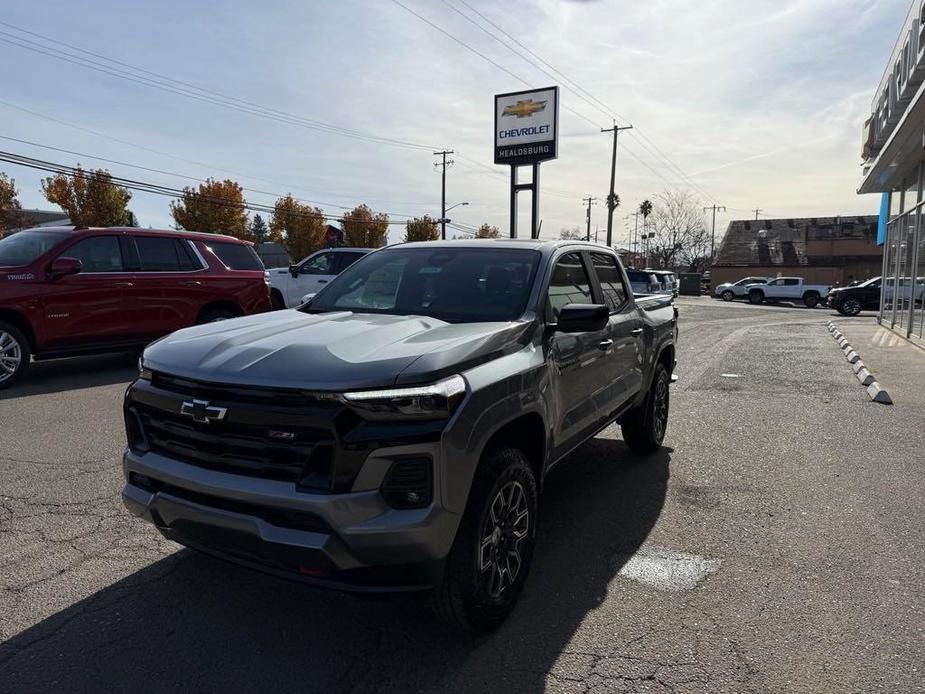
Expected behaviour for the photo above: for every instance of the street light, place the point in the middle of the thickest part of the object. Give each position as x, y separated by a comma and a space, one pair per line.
444, 220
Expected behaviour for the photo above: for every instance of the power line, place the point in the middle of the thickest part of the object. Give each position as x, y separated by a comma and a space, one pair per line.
169, 85
147, 187
574, 87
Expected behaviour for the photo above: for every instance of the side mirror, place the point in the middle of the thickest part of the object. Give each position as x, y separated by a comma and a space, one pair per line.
582, 318
294, 270
62, 267
307, 299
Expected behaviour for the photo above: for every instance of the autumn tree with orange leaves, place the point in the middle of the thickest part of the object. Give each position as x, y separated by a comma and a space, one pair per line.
89, 198
300, 228
363, 229
215, 207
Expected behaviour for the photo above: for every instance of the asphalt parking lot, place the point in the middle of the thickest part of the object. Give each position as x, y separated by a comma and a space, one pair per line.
775, 545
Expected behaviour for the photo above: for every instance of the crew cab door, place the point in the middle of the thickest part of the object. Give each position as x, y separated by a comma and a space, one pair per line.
88, 308
623, 359
311, 276
578, 368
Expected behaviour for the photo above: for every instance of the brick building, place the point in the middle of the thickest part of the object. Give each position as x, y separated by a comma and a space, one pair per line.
823, 250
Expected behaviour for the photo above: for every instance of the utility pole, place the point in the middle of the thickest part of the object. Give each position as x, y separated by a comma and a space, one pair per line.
588, 200
612, 197
758, 211
443, 165
713, 233
597, 230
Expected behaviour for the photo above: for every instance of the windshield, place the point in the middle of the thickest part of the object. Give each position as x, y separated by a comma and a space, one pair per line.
457, 285
875, 280
26, 246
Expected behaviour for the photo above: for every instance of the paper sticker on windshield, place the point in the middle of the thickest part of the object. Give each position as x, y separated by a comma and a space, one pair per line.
430, 270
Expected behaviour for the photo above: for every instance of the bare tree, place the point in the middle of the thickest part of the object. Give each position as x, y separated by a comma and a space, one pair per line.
573, 234
681, 237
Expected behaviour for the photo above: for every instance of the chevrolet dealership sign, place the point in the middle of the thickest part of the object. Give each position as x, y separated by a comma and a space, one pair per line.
526, 126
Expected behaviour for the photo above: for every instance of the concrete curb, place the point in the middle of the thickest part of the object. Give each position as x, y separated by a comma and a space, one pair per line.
876, 392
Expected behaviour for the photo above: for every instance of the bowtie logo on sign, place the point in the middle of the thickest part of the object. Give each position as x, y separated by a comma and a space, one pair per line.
525, 108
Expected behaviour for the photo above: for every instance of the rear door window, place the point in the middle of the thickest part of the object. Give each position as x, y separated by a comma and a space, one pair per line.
608, 273
97, 254
157, 254
237, 256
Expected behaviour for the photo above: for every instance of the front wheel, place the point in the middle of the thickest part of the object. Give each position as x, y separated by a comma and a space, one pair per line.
14, 354
644, 427
214, 315
849, 306
728, 295
490, 558
755, 296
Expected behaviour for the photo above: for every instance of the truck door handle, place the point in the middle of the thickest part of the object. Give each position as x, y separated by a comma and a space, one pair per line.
123, 284
192, 283
637, 331
605, 345
322, 281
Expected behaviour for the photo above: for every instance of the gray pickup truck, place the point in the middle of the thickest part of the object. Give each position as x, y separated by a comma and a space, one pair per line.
394, 433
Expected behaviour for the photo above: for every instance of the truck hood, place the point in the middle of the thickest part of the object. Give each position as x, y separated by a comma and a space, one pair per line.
330, 351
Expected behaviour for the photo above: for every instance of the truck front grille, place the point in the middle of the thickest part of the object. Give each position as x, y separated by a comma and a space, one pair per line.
255, 450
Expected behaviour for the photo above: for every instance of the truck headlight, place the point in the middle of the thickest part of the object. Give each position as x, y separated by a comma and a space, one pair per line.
144, 373
437, 401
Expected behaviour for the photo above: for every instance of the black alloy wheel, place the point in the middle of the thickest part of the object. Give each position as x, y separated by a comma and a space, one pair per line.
506, 526
490, 559
849, 306
644, 427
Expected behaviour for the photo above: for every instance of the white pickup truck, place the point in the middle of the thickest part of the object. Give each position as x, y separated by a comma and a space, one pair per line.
289, 284
787, 289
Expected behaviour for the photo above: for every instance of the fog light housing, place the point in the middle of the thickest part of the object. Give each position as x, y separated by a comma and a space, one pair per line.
409, 483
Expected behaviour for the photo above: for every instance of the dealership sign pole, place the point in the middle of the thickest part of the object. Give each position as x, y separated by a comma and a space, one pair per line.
526, 133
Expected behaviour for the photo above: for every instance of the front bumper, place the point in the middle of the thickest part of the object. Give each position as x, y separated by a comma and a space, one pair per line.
349, 541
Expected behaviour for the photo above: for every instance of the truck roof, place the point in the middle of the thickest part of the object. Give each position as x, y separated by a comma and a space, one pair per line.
543, 245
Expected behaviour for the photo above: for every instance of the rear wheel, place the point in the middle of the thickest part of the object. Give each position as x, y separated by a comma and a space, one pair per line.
644, 427
849, 306
488, 564
276, 301
214, 315
756, 296
811, 299
728, 295
14, 354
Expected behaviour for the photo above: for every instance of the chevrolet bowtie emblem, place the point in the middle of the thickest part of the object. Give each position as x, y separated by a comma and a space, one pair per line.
522, 109
202, 411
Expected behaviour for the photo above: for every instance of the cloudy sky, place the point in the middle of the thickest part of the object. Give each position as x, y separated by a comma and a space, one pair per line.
754, 104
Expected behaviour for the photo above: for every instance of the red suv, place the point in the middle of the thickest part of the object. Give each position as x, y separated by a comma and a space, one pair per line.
67, 291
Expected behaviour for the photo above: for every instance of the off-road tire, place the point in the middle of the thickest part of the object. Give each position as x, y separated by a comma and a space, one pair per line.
644, 427
811, 300
462, 599
756, 296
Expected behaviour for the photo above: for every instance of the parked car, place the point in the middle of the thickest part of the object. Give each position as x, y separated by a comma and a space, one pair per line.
643, 282
851, 300
730, 291
787, 289
66, 291
395, 433
289, 285
668, 281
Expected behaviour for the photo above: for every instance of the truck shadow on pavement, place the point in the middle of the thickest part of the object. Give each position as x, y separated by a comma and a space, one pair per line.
192, 623
75, 373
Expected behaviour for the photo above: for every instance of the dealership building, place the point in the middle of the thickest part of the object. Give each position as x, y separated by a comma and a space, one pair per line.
893, 156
